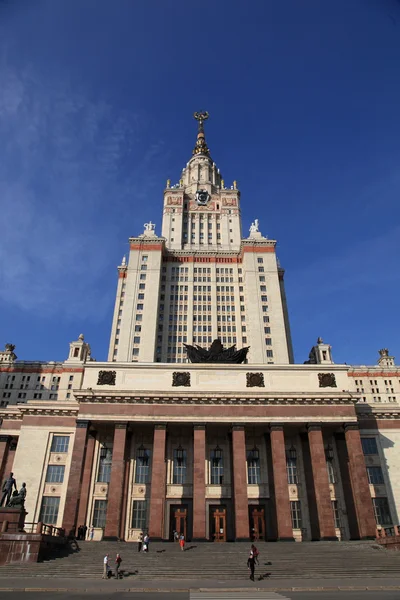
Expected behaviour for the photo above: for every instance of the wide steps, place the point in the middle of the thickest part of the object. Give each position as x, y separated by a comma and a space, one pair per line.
166, 561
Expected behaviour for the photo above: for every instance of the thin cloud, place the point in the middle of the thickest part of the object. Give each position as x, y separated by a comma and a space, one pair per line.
64, 185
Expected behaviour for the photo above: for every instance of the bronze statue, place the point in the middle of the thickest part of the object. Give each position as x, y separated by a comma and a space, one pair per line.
18, 498
216, 354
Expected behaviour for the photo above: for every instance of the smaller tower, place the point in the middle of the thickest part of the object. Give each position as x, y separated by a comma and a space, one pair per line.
384, 359
79, 351
321, 354
8, 355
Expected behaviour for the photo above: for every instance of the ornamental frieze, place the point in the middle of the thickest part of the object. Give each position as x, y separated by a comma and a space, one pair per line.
181, 378
327, 380
255, 380
106, 378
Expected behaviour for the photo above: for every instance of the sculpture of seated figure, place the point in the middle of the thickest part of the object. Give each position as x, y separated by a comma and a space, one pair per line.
18, 498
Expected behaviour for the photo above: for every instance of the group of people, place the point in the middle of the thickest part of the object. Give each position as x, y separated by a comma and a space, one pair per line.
10, 498
143, 543
179, 537
82, 533
107, 571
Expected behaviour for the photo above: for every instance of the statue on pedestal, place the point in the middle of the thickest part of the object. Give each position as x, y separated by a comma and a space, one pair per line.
8, 485
18, 498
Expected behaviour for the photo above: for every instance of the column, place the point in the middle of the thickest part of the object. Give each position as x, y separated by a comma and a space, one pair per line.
282, 504
86, 479
199, 483
4, 448
75, 477
116, 485
158, 476
321, 483
359, 483
240, 500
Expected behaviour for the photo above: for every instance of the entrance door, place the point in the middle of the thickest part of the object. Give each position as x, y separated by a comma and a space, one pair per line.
178, 520
257, 522
218, 523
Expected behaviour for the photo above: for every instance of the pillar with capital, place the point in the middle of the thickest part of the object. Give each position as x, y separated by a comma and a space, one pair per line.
72, 498
158, 482
280, 484
322, 495
116, 485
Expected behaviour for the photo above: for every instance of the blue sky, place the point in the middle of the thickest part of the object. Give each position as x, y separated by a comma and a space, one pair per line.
96, 99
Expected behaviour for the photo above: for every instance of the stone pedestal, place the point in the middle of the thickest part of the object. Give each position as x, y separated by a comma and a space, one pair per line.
12, 520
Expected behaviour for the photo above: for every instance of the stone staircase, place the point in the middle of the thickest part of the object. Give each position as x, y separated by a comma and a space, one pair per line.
224, 562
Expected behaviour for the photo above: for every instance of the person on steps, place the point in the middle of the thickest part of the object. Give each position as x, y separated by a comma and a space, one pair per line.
182, 541
105, 567
118, 562
251, 561
140, 542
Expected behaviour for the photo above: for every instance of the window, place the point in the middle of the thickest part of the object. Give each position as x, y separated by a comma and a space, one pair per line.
55, 474
331, 471
369, 445
36, 396
136, 340
49, 510
105, 462
253, 466
143, 267
295, 511
336, 515
260, 260
139, 307
291, 469
375, 475
22, 395
139, 514
60, 443
179, 473
261, 269
99, 513
138, 328
381, 510
140, 296
142, 472
217, 466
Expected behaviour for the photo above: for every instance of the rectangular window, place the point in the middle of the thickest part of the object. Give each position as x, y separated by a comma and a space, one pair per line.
139, 307
375, 475
136, 340
331, 471
60, 443
381, 509
295, 511
369, 445
105, 461
217, 467
49, 510
260, 260
139, 514
336, 515
291, 469
179, 473
140, 296
99, 513
253, 467
142, 471
55, 474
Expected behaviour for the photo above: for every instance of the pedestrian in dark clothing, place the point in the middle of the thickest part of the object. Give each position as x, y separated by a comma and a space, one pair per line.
118, 562
251, 561
255, 553
140, 542
7, 489
84, 532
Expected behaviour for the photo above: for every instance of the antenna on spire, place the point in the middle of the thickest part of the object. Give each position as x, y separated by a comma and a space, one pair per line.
201, 145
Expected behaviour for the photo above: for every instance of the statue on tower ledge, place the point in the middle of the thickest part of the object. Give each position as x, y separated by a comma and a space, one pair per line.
216, 354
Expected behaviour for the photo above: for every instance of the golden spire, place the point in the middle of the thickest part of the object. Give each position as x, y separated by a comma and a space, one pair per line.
201, 144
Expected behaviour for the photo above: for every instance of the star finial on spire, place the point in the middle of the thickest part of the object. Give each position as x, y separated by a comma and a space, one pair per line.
201, 144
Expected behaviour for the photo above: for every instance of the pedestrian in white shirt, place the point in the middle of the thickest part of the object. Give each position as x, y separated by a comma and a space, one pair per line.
105, 567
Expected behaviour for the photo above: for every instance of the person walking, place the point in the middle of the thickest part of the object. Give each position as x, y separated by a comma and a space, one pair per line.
91, 534
176, 536
256, 553
105, 567
251, 564
7, 489
140, 542
84, 532
118, 562
182, 541
146, 541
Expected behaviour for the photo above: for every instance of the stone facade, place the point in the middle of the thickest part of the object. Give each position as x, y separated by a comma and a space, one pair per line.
147, 441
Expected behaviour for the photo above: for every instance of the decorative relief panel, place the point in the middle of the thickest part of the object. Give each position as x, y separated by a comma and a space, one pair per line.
58, 459
179, 491
181, 378
327, 380
106, 378
52, 488
258, 491
255, 380
139, 490
101, 489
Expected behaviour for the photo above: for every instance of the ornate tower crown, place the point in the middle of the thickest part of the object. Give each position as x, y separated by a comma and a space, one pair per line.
201, 144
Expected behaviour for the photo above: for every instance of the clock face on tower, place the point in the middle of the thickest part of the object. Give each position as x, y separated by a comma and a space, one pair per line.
202, 197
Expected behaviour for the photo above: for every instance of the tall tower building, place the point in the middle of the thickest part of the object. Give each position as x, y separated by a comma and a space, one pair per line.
201, 279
